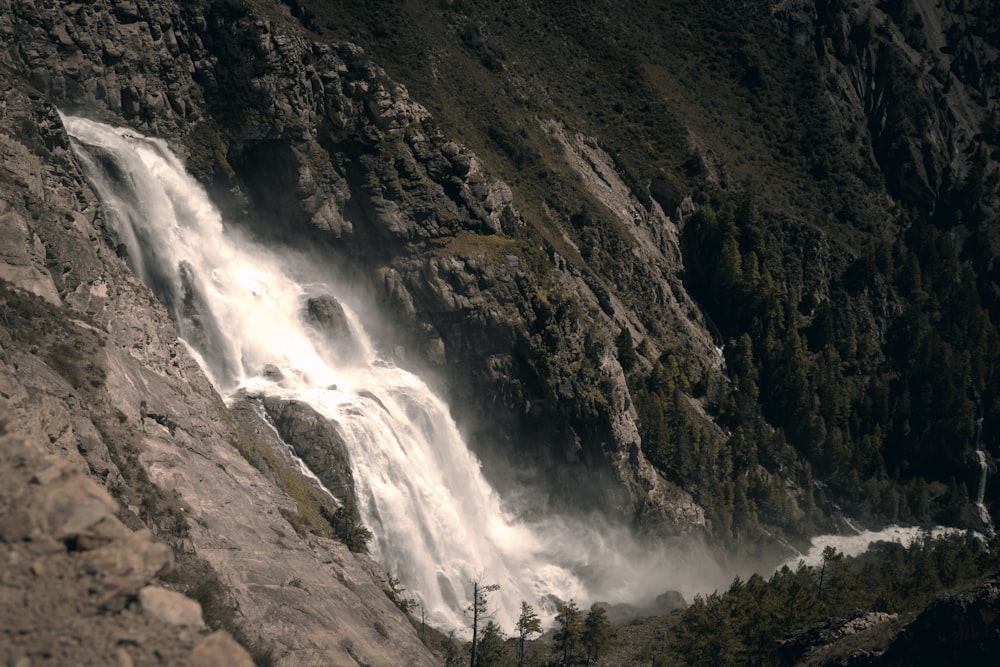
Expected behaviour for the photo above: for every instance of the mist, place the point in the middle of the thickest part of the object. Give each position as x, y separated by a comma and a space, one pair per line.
438, 524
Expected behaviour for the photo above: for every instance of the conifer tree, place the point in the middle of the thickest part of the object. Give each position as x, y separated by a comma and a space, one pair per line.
568, 636
528, 624
479, 608
597, 633
492, 651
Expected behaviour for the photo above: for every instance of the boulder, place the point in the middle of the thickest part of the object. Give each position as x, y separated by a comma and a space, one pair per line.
170, 607
327, 316
219, 648
315, 440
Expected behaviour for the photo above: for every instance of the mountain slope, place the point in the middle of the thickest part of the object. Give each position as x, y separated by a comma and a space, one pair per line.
710, 269
840, 145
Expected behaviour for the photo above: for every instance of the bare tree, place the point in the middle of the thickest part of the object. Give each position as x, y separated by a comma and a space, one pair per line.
479, 608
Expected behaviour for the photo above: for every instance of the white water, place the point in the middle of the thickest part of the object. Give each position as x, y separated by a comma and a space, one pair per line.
853, 545
982, 513
438, 524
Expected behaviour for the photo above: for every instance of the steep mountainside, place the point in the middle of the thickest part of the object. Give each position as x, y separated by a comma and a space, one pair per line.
710, 269
842, 159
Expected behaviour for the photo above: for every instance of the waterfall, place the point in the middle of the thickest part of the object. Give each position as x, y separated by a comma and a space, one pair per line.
982, 513
437, 523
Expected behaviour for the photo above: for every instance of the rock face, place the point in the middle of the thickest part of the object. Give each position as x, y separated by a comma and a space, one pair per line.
809, 646
311, 143
884, 60
959, 629
90, 366
72, 570
316, 441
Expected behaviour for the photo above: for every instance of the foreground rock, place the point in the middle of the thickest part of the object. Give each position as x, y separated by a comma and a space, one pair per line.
956, 629
72, 574
960, 629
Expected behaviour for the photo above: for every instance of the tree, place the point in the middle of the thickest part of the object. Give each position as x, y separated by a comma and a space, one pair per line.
567, 637
452, 653
830, 556
528, 624
627, 356
493, 651
597, 633
479, 608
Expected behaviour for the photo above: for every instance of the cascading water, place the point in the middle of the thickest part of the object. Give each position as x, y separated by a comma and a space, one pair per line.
437, 523
982, 513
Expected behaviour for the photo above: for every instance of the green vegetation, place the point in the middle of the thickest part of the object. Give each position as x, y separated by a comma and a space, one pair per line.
568, 637
316, 514
528, 624
876, 376
744, 624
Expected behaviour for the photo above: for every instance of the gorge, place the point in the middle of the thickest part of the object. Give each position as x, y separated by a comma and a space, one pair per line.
591, 304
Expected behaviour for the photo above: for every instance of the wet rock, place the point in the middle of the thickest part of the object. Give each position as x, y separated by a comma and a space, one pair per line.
272, 372
316, 441
327, 315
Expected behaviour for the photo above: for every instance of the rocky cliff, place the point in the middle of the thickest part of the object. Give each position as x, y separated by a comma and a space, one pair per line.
310, 143
92, 368
525, 228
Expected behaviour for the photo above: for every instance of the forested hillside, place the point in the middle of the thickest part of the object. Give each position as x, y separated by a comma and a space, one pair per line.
841, 164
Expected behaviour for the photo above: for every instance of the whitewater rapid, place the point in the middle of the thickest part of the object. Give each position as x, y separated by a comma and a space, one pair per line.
859, 542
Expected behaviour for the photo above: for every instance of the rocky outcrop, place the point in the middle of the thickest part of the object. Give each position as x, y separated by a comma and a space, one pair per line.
90, 367
327, 315
73, 589
315, 440
959, 629
817, 644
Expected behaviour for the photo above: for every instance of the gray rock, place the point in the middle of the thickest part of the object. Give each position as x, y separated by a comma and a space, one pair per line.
170, 607
315, 439
327, 316
218, 649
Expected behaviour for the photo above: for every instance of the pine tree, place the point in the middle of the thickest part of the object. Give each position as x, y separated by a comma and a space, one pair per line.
478, 608
597, 633
528, 624
493, 651
568, 636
